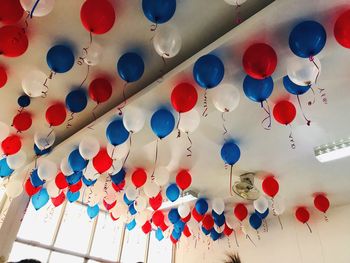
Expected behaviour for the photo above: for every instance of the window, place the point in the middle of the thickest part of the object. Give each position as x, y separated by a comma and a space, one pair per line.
60, 257
22, 251
134, 246
160, 251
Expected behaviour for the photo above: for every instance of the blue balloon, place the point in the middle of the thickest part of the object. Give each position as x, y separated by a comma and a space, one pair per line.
130, 67
74, 178
126, 200
214, 235
173, 216
39, 152
173, 192
201, 206
293, 88
40, 199
219, 219
162, 123
23, 101
131, 225
208, 71
307, 39
159, 11
93, 211
179, 226
263, 215
88, 182
116, 133
257, 90
35, 179
118, 177
159, 234
76, 100
230, 153
176, 235
255, 221
132, 209
60, 58
5, 170
76, 161
206, 232
72, 197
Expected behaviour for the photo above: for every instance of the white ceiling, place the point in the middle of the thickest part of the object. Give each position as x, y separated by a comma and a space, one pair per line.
200, 23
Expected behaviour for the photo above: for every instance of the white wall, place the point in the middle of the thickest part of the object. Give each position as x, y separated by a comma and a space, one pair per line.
329, 242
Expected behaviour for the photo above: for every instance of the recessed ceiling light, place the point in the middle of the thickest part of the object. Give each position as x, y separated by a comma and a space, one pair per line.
333, 151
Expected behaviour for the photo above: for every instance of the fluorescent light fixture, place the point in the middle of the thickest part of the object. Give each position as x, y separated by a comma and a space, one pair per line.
188, 196
333, 151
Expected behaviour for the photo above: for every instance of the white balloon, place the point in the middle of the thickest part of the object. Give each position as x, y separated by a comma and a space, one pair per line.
44, 138
65, 167
151, 189
52, 189
235, 2
131, 193
119, 210
17, 160
261, 204
134, 119
141, 218
189, 121
184, 210
33, 83
90, 172
161, 176
116, 167
140, 204
14, 188
218, 206
47, 170
43, 8
167, 42
94, 55
4, 130
226, 98
303, 71
279, 205
118, 152
89, 147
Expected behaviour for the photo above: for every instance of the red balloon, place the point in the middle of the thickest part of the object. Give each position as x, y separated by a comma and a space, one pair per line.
187, 231
156, 202
321, 202
186, 219
118, 187
227, 230
139, 177
11, 11
56, 114
284, 112
61, 181
100, 90
97, 16
270, 186
183, 179
109, 206
102, 161
259, 61
163, 227
147, 227
22, 121
11, 145
13, 41
58, 200
30, 188
76, 187
208, 222
3, 76
198, 217
173, 240
158, 218
113, 218
302, 215
240, 212
184, 97
342, 29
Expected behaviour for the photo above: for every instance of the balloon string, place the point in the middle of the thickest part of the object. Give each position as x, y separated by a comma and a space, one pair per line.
94, 117
268, 117
238, 18
85, 50
248, 237
311, 58
311, 102
124, 100
155, 161
224, 122
69, 123
189, 154
308, 226
26, 24
47, 137
45, 84
308, 122
162, 71
154, 27
291, 138
177, 126
235, 235
113, 153
21, 109
86, 76
279, 221
205, 104
34, 7
258, 234
130, 143
231, 168
326, 217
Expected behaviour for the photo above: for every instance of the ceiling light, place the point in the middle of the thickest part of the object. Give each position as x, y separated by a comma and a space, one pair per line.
188, 196
333, 151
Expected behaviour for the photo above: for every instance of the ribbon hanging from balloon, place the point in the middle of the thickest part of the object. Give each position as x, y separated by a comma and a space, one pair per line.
230, 154
241, 212
158, 11
189, 123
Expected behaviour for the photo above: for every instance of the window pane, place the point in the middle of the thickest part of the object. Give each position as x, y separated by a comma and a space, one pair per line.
107, 238
75, 230
40, 225
20, 251
159, 251
134, 246
60, 258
